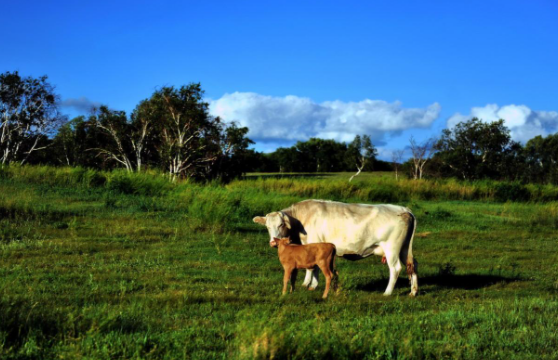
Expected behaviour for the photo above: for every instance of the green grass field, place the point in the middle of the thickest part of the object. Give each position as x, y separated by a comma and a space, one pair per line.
99, 266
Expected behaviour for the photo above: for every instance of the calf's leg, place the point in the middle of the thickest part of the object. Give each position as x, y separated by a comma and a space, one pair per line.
286, 278
328, 275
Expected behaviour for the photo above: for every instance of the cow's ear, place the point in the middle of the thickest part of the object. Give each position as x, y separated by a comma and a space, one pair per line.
259, 220
286, 220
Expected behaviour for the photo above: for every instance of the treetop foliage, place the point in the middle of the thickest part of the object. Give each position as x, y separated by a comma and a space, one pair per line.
172, 130
474, 149
28, 113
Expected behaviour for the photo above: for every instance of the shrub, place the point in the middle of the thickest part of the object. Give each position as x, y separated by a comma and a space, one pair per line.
146, 184
511, 192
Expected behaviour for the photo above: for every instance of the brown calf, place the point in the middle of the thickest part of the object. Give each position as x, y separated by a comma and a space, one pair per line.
294, 257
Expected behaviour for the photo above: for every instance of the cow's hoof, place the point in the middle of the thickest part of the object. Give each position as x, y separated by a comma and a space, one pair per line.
413, 294
311, 288
387, 294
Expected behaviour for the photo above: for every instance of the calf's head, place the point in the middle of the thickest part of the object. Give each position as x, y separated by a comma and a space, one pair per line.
275, 242
277, 223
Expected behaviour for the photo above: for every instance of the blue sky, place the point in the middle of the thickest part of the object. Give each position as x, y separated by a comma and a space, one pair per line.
291, 70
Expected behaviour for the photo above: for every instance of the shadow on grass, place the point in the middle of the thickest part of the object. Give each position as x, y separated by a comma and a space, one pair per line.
244, 229
463, 282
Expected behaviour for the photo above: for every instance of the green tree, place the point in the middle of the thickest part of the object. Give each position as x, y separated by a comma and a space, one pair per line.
141, 132
74, 144
324, 155
288, 159
541, 158
360, 153
118, 132
254, 161
28, 114
320, 155
474, 149
173, 130
186, 136
234, 158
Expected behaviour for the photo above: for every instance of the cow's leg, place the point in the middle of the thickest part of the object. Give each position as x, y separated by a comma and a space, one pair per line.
314, 282
392, 259
293, 279
307, 278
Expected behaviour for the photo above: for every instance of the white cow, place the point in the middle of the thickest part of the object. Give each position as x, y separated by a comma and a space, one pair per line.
357, 230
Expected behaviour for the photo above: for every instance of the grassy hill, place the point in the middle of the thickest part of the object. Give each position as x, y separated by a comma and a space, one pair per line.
113, 265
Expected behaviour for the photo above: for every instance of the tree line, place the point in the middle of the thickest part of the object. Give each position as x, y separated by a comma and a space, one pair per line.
320, 155
471, 150
475, 150
172, 131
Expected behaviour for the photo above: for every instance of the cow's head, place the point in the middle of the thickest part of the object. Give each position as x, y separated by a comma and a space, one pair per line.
278, 224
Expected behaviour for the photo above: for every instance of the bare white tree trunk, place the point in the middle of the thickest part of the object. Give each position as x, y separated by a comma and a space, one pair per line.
33, 148
139, 143
119, 155
362, 162
29, 118
396, 158
358, 172
421, 154
180, 138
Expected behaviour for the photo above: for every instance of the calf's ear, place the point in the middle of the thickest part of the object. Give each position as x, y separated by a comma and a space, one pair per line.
259, 220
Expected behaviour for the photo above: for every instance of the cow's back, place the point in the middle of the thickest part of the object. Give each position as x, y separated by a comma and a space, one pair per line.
353, 228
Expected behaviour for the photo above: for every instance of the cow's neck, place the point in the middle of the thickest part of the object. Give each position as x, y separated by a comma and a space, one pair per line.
297, 232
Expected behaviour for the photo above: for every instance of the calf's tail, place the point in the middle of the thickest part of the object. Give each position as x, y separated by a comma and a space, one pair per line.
333, 254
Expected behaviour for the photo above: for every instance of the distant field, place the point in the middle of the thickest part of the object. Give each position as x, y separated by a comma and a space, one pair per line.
345, 176
97, 266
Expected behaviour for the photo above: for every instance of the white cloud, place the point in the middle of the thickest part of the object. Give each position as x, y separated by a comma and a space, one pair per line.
523, 122
293, 118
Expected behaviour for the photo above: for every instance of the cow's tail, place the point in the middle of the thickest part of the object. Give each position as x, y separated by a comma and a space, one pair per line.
412, 265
